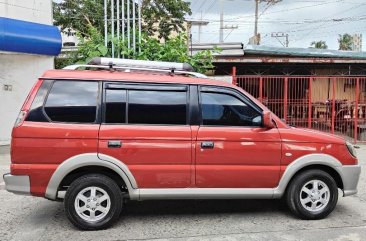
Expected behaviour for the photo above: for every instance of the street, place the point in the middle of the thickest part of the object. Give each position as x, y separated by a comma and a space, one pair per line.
30, 218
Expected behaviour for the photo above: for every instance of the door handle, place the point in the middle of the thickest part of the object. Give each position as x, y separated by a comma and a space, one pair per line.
114, 144
207, 145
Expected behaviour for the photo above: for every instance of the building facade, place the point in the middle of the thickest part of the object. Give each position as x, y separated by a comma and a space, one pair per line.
28, 44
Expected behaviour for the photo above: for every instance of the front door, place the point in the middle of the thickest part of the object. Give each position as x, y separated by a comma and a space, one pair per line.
146, 128
233, 149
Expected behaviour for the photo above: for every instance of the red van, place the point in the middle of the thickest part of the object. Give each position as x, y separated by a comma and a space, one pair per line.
142, 130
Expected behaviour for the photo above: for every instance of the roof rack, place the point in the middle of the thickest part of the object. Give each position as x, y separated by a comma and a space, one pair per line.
139, 65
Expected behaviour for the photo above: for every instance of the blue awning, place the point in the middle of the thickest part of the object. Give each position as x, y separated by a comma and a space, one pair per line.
27, 37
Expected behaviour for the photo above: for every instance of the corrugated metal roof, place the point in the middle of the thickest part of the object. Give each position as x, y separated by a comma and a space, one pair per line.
302, 52
238, 49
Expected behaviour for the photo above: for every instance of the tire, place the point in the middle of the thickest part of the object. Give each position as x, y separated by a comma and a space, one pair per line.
309, 202
80, 203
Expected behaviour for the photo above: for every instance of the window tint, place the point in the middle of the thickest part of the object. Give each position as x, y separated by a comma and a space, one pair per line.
72, 101
115, 106
36, 113
226, 110
157, 107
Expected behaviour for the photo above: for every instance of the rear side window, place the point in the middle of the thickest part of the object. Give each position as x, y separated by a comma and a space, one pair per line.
157, 107
115, 107
72, 101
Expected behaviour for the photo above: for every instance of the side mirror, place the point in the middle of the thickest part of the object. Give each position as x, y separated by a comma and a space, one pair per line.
267, 120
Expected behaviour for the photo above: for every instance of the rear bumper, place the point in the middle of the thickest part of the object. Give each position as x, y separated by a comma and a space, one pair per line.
350, 177
17, 184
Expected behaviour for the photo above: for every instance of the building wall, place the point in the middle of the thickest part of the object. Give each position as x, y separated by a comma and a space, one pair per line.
37, 11
18, 72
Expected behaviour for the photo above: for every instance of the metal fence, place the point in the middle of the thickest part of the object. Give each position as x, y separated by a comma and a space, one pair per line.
334, 104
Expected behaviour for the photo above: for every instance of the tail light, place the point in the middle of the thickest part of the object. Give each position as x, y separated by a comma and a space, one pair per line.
20, 118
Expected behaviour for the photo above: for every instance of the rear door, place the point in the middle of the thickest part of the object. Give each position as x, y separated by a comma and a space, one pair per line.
145, 126
233, 149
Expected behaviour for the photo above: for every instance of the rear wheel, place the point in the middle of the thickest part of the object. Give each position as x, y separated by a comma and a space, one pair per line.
93, 202
312, 194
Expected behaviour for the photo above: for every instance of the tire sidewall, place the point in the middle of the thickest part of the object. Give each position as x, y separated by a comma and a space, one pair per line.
298, 184
96, 181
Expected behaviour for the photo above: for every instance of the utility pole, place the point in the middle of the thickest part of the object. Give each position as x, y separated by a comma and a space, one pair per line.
222, 27
221, 22
281, 35
256, 18
269, 2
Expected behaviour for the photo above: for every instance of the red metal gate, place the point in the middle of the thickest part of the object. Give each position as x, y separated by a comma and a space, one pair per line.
334, 104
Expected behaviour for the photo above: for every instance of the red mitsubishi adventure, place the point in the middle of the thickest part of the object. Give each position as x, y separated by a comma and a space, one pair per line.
140, 130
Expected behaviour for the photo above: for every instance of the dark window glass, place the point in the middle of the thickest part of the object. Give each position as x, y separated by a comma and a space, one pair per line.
115, 106
157, 107
226, 110
36, 113
72, 101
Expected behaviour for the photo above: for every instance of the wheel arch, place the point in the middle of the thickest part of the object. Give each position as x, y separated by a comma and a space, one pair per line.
323, 162
92, 161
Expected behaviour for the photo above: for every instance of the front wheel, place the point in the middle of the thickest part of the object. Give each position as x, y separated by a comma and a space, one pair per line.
312, 194
93, 202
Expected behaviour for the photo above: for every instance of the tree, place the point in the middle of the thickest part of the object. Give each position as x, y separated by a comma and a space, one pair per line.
319, 44
160, 17
345, 41
79, 15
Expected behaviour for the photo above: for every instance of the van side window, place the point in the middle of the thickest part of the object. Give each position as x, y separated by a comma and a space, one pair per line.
220, 109
72, 101
115, 107
157, 107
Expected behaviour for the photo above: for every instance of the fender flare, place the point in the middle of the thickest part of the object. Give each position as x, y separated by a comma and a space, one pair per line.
301, 162
90, 159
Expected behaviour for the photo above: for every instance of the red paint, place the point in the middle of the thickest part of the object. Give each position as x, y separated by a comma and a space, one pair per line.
157, 156
234, 76
333, 104
309, 102
356, 112
169, 156
261, 89
238, 158
285, 99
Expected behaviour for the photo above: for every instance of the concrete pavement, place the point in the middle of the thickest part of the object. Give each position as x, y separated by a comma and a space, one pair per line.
30, 218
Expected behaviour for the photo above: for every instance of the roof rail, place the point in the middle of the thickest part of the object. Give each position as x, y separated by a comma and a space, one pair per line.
141, 64
128, 69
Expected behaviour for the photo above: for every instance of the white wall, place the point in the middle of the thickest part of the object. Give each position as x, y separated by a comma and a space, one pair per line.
226, 78
37, 11
20, 71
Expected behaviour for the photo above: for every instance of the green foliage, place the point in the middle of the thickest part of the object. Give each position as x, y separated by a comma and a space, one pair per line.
160, 17
345, 42
319, 44
79, 15
158, 20
172, 50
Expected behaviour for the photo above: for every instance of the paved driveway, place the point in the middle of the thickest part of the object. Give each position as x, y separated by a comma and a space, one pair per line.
30, 218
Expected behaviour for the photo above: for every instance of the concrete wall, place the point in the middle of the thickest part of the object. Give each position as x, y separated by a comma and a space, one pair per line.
18, 72
37, 11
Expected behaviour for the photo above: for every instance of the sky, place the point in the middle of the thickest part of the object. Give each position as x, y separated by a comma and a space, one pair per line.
303, 20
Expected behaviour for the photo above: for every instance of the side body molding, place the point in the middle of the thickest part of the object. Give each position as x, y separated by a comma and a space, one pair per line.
94, 159
304, 161
91, 159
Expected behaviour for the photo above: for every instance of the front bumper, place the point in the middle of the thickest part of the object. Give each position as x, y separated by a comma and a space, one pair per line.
17, 184
350, 177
